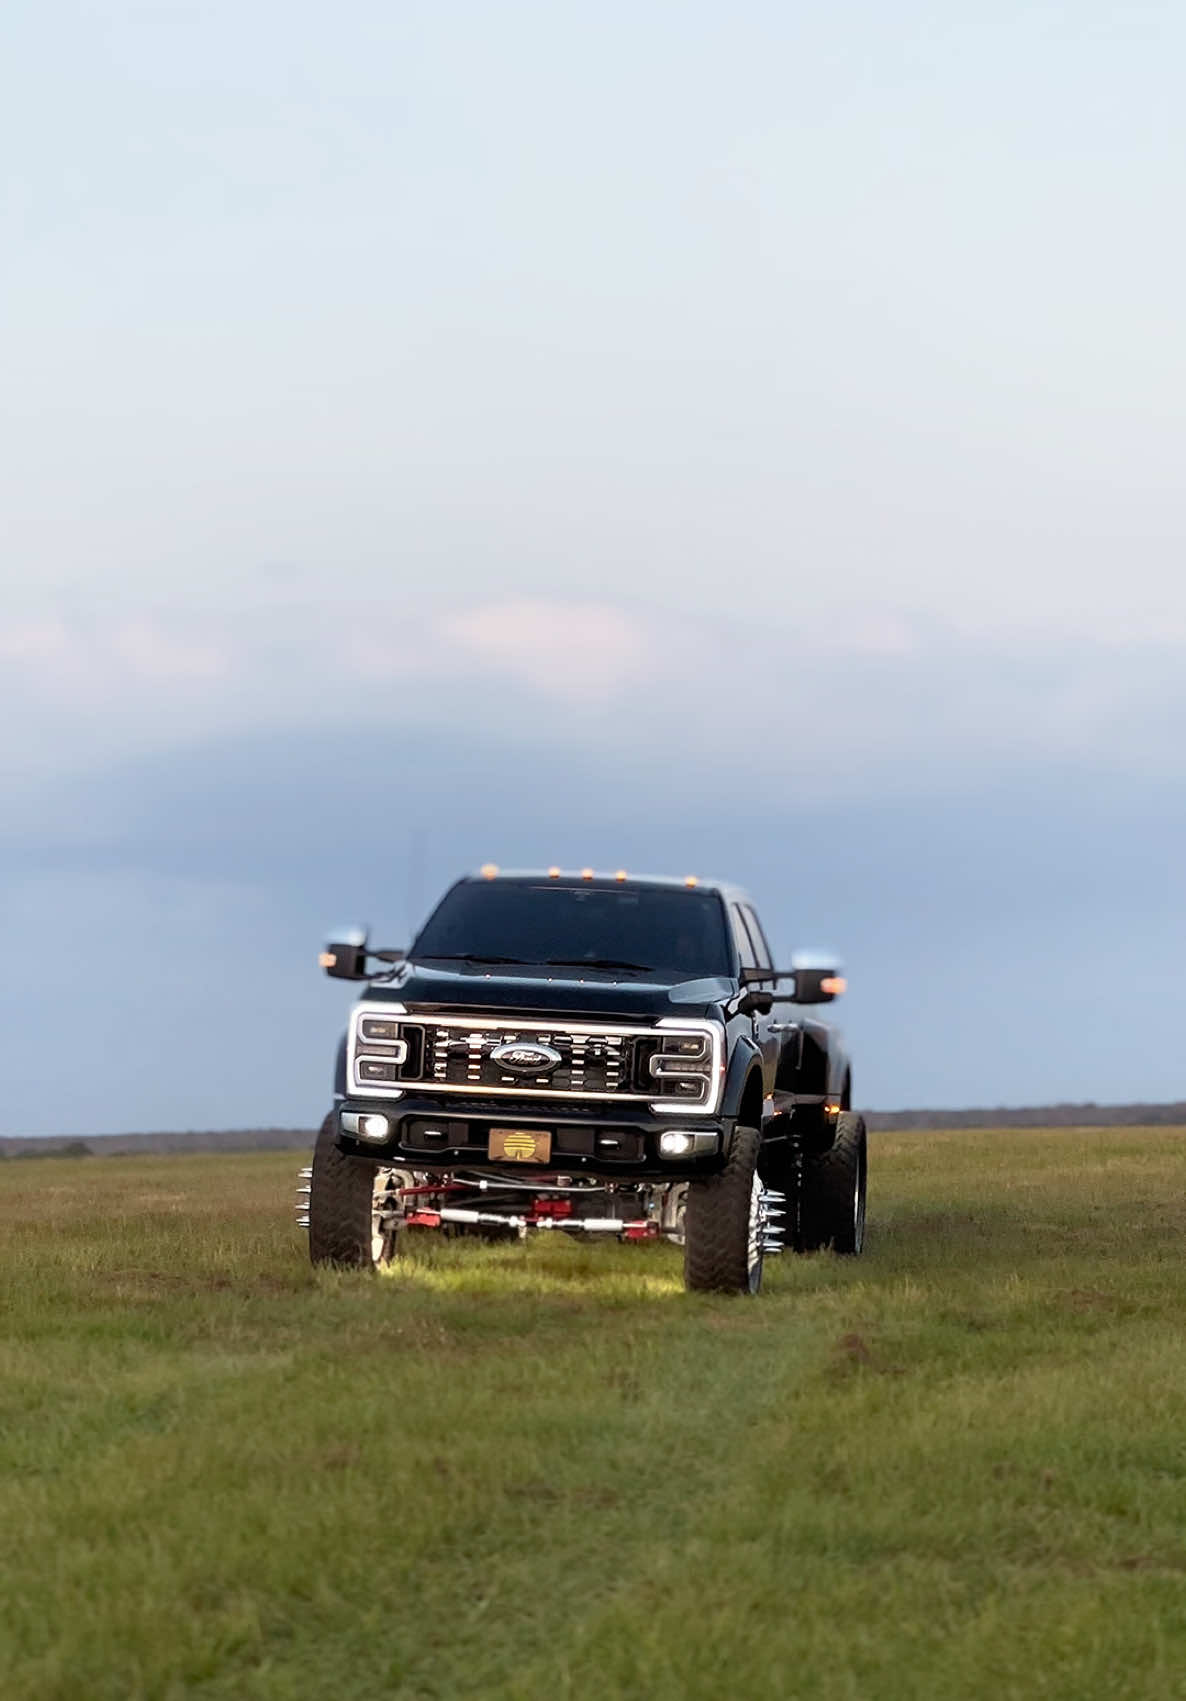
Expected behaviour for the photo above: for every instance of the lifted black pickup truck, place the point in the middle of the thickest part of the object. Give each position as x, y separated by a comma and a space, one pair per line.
589, 1053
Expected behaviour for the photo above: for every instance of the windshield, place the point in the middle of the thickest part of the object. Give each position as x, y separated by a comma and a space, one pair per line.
678, 934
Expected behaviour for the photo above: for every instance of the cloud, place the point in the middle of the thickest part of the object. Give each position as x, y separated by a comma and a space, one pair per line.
149, 651
76, 691
90, 662
579, 652
873, 703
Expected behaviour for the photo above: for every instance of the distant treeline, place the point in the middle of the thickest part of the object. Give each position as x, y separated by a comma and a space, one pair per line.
1037, 1116
260, 1139
118, 1145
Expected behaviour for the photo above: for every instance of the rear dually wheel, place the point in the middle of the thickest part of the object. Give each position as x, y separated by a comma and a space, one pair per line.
831, 1204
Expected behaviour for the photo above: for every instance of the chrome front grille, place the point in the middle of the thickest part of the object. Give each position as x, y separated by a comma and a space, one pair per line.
673, 1066
600, 1064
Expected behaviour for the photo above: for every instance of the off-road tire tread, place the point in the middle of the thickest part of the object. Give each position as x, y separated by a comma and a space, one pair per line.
341, 1190
716, 1221
825, 1198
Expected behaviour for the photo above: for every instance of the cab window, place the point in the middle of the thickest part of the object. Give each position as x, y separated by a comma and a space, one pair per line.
761, 948
745, 949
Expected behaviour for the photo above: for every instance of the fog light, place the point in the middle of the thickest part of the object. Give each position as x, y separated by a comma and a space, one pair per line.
374, 1127
674, 1143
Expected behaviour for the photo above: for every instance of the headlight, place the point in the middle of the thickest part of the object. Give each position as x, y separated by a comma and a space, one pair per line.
686, 1067
376, 1050
382, 1029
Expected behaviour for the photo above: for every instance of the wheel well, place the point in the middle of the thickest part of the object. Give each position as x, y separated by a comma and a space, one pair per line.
749, 1114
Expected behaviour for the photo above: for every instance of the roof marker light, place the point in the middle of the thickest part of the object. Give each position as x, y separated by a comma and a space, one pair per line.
692, 880
586, 874
621, 875
553, 874
488, 870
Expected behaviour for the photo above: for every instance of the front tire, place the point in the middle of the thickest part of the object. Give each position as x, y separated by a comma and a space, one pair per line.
725, 1224
832, 1192
353, 1207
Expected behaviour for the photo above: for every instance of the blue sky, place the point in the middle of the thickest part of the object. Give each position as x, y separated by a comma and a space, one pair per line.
742, 439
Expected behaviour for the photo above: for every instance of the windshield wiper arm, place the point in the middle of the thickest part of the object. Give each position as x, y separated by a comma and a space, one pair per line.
596, 963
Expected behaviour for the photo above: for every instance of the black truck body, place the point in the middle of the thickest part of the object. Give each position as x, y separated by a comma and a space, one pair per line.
594, 1038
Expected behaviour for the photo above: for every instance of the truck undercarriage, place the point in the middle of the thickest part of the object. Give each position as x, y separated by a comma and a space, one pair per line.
461, 1202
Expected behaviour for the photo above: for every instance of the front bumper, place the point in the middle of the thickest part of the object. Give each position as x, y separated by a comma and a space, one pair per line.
608, 1141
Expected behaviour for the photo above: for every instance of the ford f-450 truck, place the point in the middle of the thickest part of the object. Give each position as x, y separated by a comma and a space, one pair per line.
589, 1053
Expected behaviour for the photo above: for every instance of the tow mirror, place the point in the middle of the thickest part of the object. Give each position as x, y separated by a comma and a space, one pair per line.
346, 956
816, 981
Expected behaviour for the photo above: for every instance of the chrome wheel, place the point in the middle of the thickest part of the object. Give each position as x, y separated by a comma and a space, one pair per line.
673, 1212
759, 1222
858, 1208
386, 1214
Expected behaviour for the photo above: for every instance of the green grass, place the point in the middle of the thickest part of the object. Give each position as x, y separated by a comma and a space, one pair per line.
955, 1468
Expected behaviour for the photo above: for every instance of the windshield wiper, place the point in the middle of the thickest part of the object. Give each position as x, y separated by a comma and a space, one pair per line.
536, 962
596, 963
471, 957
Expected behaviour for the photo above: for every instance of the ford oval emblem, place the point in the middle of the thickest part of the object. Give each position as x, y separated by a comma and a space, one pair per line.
518, 1057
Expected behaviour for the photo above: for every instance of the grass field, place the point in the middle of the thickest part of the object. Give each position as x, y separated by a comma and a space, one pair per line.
955, 1468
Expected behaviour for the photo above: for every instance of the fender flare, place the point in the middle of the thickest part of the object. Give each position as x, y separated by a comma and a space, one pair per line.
744, 1061
806, 1062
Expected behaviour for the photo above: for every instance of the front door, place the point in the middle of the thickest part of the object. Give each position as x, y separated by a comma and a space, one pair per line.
755, 957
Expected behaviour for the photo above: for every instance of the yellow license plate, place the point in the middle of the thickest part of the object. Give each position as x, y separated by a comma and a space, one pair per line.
520, 1145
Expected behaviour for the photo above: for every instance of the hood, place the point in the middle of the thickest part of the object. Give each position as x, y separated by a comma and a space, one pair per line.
532, 992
